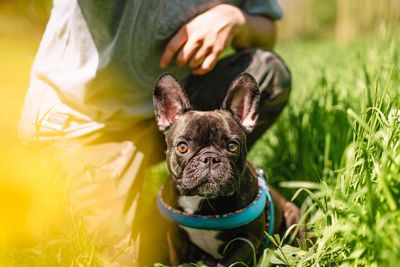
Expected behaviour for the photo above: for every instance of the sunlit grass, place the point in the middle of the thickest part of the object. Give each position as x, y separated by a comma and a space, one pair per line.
342, 131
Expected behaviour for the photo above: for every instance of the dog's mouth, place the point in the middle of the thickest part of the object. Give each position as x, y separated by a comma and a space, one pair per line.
208, 189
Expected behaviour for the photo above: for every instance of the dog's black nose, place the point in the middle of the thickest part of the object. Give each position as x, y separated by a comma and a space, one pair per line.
210, 159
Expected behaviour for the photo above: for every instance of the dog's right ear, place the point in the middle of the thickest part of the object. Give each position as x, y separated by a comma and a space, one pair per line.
170, 101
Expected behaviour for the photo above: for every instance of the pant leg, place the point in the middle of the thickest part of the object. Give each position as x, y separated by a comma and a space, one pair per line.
207, 92
96, 179
109, 188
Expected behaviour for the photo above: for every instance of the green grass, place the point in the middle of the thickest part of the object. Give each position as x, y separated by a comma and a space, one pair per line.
338, 138
341, 131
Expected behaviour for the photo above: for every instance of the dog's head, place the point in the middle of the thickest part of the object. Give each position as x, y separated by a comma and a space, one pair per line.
206, 151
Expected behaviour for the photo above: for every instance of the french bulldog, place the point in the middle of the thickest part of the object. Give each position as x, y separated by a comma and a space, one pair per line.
209, 174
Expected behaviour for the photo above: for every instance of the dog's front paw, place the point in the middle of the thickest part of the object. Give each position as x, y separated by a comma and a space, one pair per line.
221, 265
291, 213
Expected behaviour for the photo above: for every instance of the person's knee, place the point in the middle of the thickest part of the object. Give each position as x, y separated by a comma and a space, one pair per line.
274, 78
277, 69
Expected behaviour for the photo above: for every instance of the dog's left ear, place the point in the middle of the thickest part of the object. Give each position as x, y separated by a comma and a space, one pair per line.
242, 100
170, 101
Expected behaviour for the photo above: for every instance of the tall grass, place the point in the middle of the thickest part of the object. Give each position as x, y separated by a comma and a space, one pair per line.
342, 131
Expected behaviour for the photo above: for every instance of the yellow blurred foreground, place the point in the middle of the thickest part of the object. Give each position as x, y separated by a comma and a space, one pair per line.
29, 199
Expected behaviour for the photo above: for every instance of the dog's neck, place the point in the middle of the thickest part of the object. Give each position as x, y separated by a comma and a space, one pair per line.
245, 194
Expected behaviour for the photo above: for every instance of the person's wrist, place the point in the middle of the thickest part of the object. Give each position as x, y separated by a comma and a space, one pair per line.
240, 32
238, 20
236, 17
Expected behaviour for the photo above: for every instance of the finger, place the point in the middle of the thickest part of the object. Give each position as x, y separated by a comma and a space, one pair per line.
176, 42
207, 65
187, 52
199, 57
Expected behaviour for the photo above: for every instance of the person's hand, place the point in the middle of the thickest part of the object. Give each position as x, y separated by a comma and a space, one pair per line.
199, 43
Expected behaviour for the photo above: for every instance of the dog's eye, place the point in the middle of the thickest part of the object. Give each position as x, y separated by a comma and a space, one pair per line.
182, 147
233, 146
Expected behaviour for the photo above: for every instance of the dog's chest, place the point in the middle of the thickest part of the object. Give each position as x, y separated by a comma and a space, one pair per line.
207, 240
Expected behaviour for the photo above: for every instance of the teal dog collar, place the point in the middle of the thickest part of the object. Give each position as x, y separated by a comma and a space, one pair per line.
229, 220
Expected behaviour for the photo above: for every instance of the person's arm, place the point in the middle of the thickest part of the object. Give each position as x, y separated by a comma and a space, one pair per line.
199, 42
